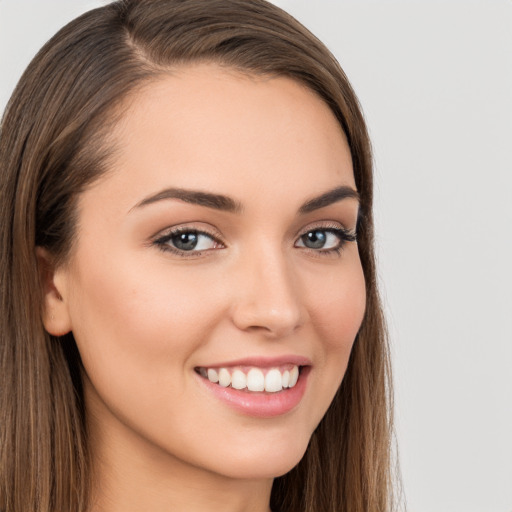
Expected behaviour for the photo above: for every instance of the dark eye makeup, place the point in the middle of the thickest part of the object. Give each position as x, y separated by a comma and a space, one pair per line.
326, 240
186, 241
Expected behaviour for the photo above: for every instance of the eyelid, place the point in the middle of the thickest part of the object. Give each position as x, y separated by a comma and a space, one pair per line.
326, 225
190, 226
343, 234
162, 238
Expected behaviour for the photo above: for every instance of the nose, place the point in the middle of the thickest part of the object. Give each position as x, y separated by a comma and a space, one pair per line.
268, 298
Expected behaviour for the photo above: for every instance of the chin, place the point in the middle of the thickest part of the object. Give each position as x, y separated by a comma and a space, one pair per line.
264, 462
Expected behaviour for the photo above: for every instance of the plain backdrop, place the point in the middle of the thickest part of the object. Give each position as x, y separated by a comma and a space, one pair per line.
435, 82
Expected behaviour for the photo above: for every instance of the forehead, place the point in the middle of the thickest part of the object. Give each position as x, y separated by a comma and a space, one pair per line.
211, 128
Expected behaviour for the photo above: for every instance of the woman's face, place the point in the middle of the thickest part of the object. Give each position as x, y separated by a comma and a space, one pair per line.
221, 243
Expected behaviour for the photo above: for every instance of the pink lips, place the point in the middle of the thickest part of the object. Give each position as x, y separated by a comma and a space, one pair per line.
263, 362
261, 404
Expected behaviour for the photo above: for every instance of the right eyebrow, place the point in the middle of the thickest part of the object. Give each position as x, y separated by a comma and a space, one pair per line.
207, 199
328, 198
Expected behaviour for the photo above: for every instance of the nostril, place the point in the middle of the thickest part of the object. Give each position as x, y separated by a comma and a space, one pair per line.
271, 320
268, 298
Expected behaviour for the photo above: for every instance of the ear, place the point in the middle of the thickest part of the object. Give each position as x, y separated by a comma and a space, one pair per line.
56, 317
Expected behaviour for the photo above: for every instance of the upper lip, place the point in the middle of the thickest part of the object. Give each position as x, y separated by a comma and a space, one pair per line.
261, 362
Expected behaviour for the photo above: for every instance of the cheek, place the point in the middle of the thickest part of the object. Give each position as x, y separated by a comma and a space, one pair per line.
137, 327
138, 318
138, 297
337, 308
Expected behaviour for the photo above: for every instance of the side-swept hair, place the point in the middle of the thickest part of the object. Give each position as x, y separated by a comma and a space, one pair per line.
54, 143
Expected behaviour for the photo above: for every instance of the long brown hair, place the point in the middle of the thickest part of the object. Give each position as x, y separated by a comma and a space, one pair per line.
54, 143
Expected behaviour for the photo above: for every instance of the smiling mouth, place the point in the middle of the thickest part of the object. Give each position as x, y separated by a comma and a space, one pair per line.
253, 379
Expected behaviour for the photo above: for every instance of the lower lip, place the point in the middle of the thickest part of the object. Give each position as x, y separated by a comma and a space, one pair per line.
261, 405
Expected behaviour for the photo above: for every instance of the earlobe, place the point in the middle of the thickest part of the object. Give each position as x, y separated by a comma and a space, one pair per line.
56, 318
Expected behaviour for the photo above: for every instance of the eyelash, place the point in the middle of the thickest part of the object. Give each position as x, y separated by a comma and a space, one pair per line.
344, 236
162, 242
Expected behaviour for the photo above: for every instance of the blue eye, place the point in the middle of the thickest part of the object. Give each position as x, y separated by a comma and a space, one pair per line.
187, 241
325, 239
184, 241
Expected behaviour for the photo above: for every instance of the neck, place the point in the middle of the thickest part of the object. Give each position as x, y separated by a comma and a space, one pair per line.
127, 492
130, 474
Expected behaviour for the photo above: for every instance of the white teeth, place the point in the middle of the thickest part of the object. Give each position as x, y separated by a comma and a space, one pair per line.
273, 381
213, 376
255, 380
294, 376
286, 379
224, 378
238, 380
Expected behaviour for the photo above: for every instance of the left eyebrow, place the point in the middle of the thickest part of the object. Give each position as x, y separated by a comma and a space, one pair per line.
330, 197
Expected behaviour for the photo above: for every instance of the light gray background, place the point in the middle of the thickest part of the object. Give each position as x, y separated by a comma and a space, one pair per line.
435, 82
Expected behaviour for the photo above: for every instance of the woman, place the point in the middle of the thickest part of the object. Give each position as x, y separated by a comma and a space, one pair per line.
190, 318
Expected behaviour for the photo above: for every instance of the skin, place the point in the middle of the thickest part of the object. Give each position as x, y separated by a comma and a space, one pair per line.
144, 318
